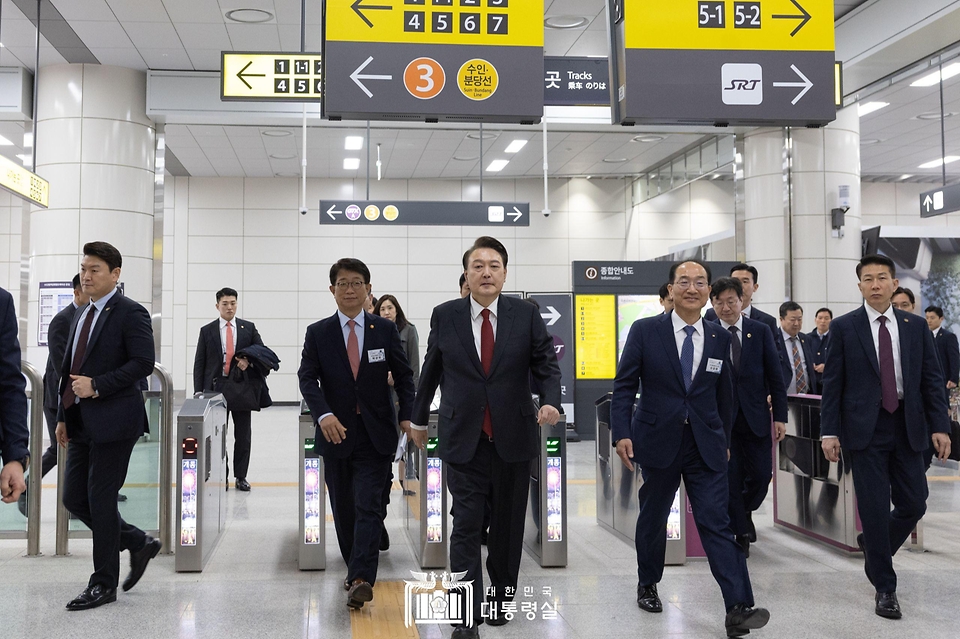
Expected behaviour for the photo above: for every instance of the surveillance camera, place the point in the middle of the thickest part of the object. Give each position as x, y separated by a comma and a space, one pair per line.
546, 212
303, 210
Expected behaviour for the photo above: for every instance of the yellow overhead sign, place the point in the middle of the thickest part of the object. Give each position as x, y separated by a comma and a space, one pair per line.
266, 76
24, 183
767, 25
517, 23
595, 336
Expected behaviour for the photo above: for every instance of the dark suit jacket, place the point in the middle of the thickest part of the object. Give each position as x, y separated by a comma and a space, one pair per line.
523, 346
786, 361
650, 359
57, 335
851, 382
818, 346
759, 375
14, 432
327, 384
208, 362
120, 354
949, 354
755, 314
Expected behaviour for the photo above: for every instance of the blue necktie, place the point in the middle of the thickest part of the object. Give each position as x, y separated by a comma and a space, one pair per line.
686, 356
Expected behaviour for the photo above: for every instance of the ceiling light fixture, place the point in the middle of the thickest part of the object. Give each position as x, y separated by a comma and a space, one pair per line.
614, 160
565, 22
869, 107
275, 133
935, 115
869, 141
905, 176
950, 159
5, 142
353, 142
248, 16
515, 146
933, 79
351, 164
278, 156
486, 135
497, 165
287, 175
647, 139
466, 158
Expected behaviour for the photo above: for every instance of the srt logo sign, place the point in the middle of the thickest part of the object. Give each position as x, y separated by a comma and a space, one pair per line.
742, 84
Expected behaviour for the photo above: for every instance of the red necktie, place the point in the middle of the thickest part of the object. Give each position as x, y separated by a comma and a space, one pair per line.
229, 357
486, 360
888, 371
353, 349
69, 397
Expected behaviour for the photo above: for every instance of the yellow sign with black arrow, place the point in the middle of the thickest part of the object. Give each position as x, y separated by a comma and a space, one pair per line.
268, 76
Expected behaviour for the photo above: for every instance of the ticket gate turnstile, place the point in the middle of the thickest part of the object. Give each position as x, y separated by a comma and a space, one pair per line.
425, 501
311, 542
201, 480
548, 499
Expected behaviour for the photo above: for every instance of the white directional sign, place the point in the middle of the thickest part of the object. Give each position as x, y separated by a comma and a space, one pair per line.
941, 201
551, 316
411, 213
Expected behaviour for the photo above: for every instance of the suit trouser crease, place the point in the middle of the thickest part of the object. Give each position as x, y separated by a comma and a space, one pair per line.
888, 469
242, 438
708, 493
505, 484
356, 484
749, 473
94, 475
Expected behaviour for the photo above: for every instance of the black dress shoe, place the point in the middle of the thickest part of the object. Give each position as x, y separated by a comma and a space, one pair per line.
866, 564
462, 632
121, 497
384, 539
360, 592
888, 606
139, 561
752, 530
744, 541
92, 597
742, 619
243, 485
648, 599
497, 618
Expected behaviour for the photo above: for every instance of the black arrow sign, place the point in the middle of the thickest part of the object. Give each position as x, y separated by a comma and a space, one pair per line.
804, 17
243, 76
356, 6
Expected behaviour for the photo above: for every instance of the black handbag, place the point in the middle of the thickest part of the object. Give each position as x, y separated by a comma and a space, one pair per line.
241, 389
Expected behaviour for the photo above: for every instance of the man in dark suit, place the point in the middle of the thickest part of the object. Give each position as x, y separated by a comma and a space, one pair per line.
216, 348
948, 348
819, 341
796, 358
756, 376
681, 429
882, 387
482, 351
748, 277
14, 432
665, 300
101, 416
343, 378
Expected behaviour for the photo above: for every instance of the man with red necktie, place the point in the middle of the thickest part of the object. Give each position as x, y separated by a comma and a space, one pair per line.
882, 385
481, 352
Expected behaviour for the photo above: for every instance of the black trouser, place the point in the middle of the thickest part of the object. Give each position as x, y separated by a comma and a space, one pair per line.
95, 472
485, 476
356, 485
888, 469
749, 473
49, 459
241, 443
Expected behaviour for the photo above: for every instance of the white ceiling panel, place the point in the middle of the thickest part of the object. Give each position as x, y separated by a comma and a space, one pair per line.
203, 36
129, 58
254, 37
205, 59
174, 59
102, 34
194, 11
77, 10
152, 35
139, 10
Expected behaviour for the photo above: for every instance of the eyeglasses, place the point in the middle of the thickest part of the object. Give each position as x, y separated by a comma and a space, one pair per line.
684, 284
355, 285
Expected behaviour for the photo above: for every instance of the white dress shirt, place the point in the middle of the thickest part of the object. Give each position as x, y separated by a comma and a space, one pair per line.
223, 337
894, 330
792, 386
358, 329
681, 335
477, 320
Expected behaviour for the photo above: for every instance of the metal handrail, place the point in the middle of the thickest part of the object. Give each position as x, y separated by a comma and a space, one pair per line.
35, 397
165, 521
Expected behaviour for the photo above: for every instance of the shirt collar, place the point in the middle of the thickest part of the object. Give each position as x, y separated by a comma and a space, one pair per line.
344, 319
822, 335
103, 301
873, 315
476, 308
679, 324
745, 311
223, 322
739, 324
786, 335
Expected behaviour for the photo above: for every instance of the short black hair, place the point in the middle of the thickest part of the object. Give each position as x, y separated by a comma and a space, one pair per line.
349, 264
882, 260
485, 241
106, 252
76, 281
786, 307
463, 279
746, 267
724, 284
905, 291
226, 291
664, 291
676, 265
934, 309
824, 310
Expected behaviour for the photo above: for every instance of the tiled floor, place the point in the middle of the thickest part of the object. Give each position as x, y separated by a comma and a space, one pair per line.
252, 587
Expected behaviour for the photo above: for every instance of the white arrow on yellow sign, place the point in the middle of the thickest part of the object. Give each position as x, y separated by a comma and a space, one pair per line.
270, 76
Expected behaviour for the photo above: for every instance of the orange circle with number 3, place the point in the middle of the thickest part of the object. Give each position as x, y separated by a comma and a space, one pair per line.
424, 78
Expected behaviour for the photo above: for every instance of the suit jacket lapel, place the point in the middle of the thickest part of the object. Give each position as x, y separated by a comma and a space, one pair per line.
905, 349
463, 324
369, 338
709, 351
665, 329
746, 348
98, 326
505, 315
65, 372
865, 333
336, 336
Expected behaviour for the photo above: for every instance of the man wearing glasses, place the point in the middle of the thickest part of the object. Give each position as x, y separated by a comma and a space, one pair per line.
681, 429
343, 378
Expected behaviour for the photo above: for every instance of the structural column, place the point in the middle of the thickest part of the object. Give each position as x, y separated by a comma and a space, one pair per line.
792, 182
95, 144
